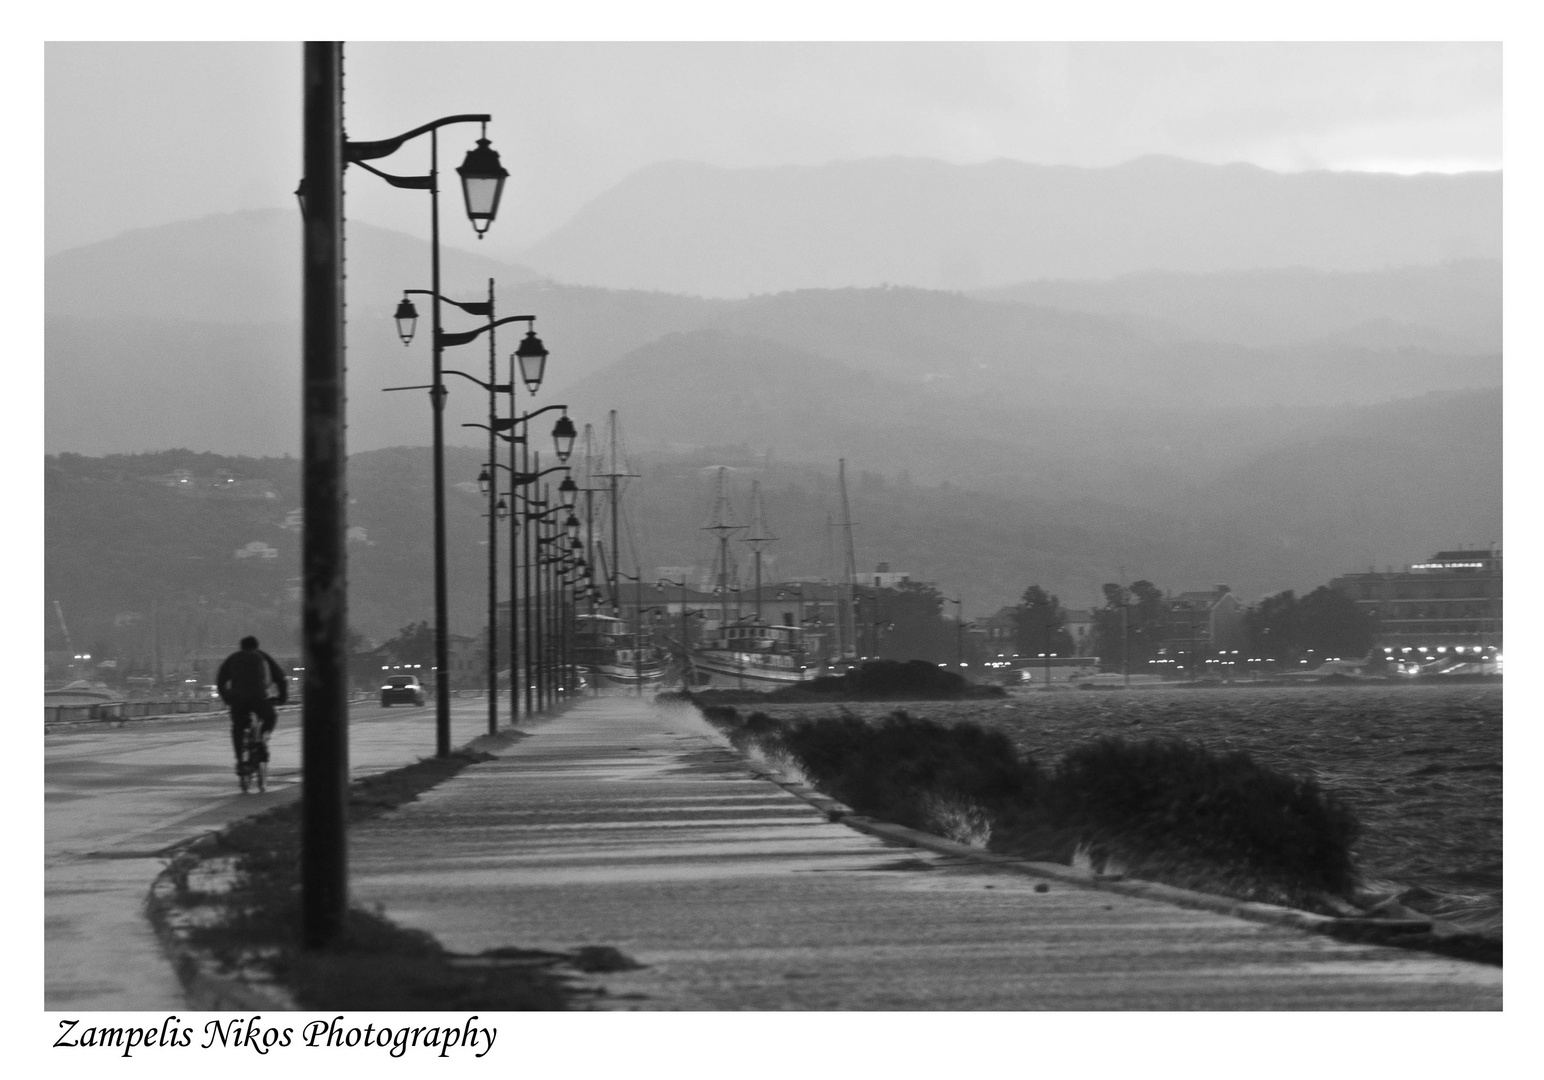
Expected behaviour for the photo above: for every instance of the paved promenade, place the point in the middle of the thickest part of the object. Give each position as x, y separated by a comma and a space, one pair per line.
622, 824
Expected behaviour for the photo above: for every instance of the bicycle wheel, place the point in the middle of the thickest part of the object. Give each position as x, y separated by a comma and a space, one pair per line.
260, 746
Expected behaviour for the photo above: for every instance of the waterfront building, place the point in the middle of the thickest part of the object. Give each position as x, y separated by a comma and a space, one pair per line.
1000, 629
1450, 601
1203, 621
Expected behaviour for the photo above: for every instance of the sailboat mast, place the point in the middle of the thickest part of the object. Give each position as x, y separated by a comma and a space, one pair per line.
759, 537
722, 527
616, 476
616, 550
589, 504
850, 572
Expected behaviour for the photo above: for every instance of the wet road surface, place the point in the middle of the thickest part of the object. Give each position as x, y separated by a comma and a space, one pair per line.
117, 796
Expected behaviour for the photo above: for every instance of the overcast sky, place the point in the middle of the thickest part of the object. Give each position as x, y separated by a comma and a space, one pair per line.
191, 129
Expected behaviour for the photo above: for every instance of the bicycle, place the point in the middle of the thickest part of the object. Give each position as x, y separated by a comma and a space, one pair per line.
253, 762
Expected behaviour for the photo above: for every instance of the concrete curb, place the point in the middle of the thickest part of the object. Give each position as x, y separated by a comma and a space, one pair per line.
208, 989
1271, 914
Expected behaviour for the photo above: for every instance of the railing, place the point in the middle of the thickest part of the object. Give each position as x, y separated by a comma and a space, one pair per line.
120, 711
125, 710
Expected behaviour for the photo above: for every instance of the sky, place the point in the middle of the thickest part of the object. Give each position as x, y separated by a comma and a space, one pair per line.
197, 128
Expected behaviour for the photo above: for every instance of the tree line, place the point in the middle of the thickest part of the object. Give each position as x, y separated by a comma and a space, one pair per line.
1136, 626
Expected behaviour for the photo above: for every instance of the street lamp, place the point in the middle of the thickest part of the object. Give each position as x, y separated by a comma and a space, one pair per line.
326, 155
482, 183
511, 430
535, 514
406, 319
533, 361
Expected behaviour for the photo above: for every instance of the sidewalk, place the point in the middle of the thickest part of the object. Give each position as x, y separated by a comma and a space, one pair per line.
626, 825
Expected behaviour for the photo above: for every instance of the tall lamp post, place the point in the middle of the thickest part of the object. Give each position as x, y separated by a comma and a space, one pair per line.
324, 618
532, 514
563, 441
563, 436
407, 321
482, 185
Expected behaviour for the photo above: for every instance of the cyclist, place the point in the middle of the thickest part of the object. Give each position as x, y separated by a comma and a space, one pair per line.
251, 682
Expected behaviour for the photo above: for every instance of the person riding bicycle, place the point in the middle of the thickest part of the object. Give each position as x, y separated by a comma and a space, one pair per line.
251, 682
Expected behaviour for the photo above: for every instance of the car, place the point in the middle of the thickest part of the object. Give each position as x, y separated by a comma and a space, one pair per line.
401, 688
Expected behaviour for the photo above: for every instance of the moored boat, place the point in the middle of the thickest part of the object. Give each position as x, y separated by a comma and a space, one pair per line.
750, 654
610, 655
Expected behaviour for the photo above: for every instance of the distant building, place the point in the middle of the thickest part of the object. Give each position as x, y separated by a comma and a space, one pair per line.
1080, 627
1203, 620
1451, 599
465, 656
1000, 630
885, 578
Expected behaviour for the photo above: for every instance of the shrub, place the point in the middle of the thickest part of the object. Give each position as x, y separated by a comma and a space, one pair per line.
1163, 809
892, 769
895, 678
1166, 797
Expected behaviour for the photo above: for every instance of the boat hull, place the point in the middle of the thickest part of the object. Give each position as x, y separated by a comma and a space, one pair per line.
721, 672
608, 676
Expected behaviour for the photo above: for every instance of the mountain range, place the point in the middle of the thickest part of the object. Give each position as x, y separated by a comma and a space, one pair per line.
698, 229
1272, 380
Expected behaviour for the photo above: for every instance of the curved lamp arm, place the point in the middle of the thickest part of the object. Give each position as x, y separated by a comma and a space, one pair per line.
461, 338
421, 183
360, 152
485, 427
490, 387
471, 307
533, 415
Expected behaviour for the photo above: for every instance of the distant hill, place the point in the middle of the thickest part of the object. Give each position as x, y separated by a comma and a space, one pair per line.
1337, 491
704, 230
124, 383
185, 334
245, 268
1386, 484
1452, 307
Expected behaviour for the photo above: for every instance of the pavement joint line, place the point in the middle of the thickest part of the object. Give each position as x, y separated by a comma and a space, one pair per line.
207, 988
1253, 911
